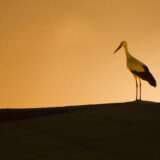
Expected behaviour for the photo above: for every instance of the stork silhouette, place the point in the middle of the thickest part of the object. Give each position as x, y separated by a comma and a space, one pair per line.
138, 69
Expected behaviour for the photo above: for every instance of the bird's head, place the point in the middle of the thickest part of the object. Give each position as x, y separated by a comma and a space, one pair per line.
122, 44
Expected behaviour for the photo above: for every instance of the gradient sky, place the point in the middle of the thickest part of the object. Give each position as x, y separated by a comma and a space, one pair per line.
60, 52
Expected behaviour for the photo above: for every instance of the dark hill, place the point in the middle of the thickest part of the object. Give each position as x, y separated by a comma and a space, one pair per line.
122, 131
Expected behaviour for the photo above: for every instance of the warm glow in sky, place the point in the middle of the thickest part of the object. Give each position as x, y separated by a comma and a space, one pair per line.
60, 52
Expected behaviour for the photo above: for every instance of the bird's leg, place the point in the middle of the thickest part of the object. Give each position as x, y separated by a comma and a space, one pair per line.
136, 88
140, 88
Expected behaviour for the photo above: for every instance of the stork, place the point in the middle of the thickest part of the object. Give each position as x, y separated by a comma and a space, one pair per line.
138, 69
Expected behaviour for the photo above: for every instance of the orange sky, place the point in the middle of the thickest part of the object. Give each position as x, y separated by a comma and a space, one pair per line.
60, 52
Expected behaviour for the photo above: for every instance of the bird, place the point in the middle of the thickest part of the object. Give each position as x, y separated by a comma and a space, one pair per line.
138, 69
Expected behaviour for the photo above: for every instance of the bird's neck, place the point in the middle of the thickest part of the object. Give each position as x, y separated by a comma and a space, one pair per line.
126, 51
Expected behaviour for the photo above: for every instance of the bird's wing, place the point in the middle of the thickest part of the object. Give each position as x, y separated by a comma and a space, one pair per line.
145, 75
135, 65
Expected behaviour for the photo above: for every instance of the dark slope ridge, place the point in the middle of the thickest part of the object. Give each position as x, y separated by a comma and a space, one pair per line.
120, 131
7, 115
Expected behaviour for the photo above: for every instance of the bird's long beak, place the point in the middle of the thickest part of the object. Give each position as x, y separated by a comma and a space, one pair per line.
118, 48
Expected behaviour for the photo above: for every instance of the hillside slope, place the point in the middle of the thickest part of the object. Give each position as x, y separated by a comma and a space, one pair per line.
122, 131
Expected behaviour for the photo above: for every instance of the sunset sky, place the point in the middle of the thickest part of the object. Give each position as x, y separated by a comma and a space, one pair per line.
60, 52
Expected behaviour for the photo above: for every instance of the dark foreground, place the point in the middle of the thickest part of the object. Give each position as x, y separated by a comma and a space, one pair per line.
124, 131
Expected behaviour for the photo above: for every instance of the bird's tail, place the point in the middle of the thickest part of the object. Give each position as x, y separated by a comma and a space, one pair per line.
151, 79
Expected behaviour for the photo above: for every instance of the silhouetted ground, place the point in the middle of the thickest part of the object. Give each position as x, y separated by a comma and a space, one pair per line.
122, 131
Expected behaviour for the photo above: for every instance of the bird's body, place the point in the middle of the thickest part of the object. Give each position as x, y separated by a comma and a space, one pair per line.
137, 68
